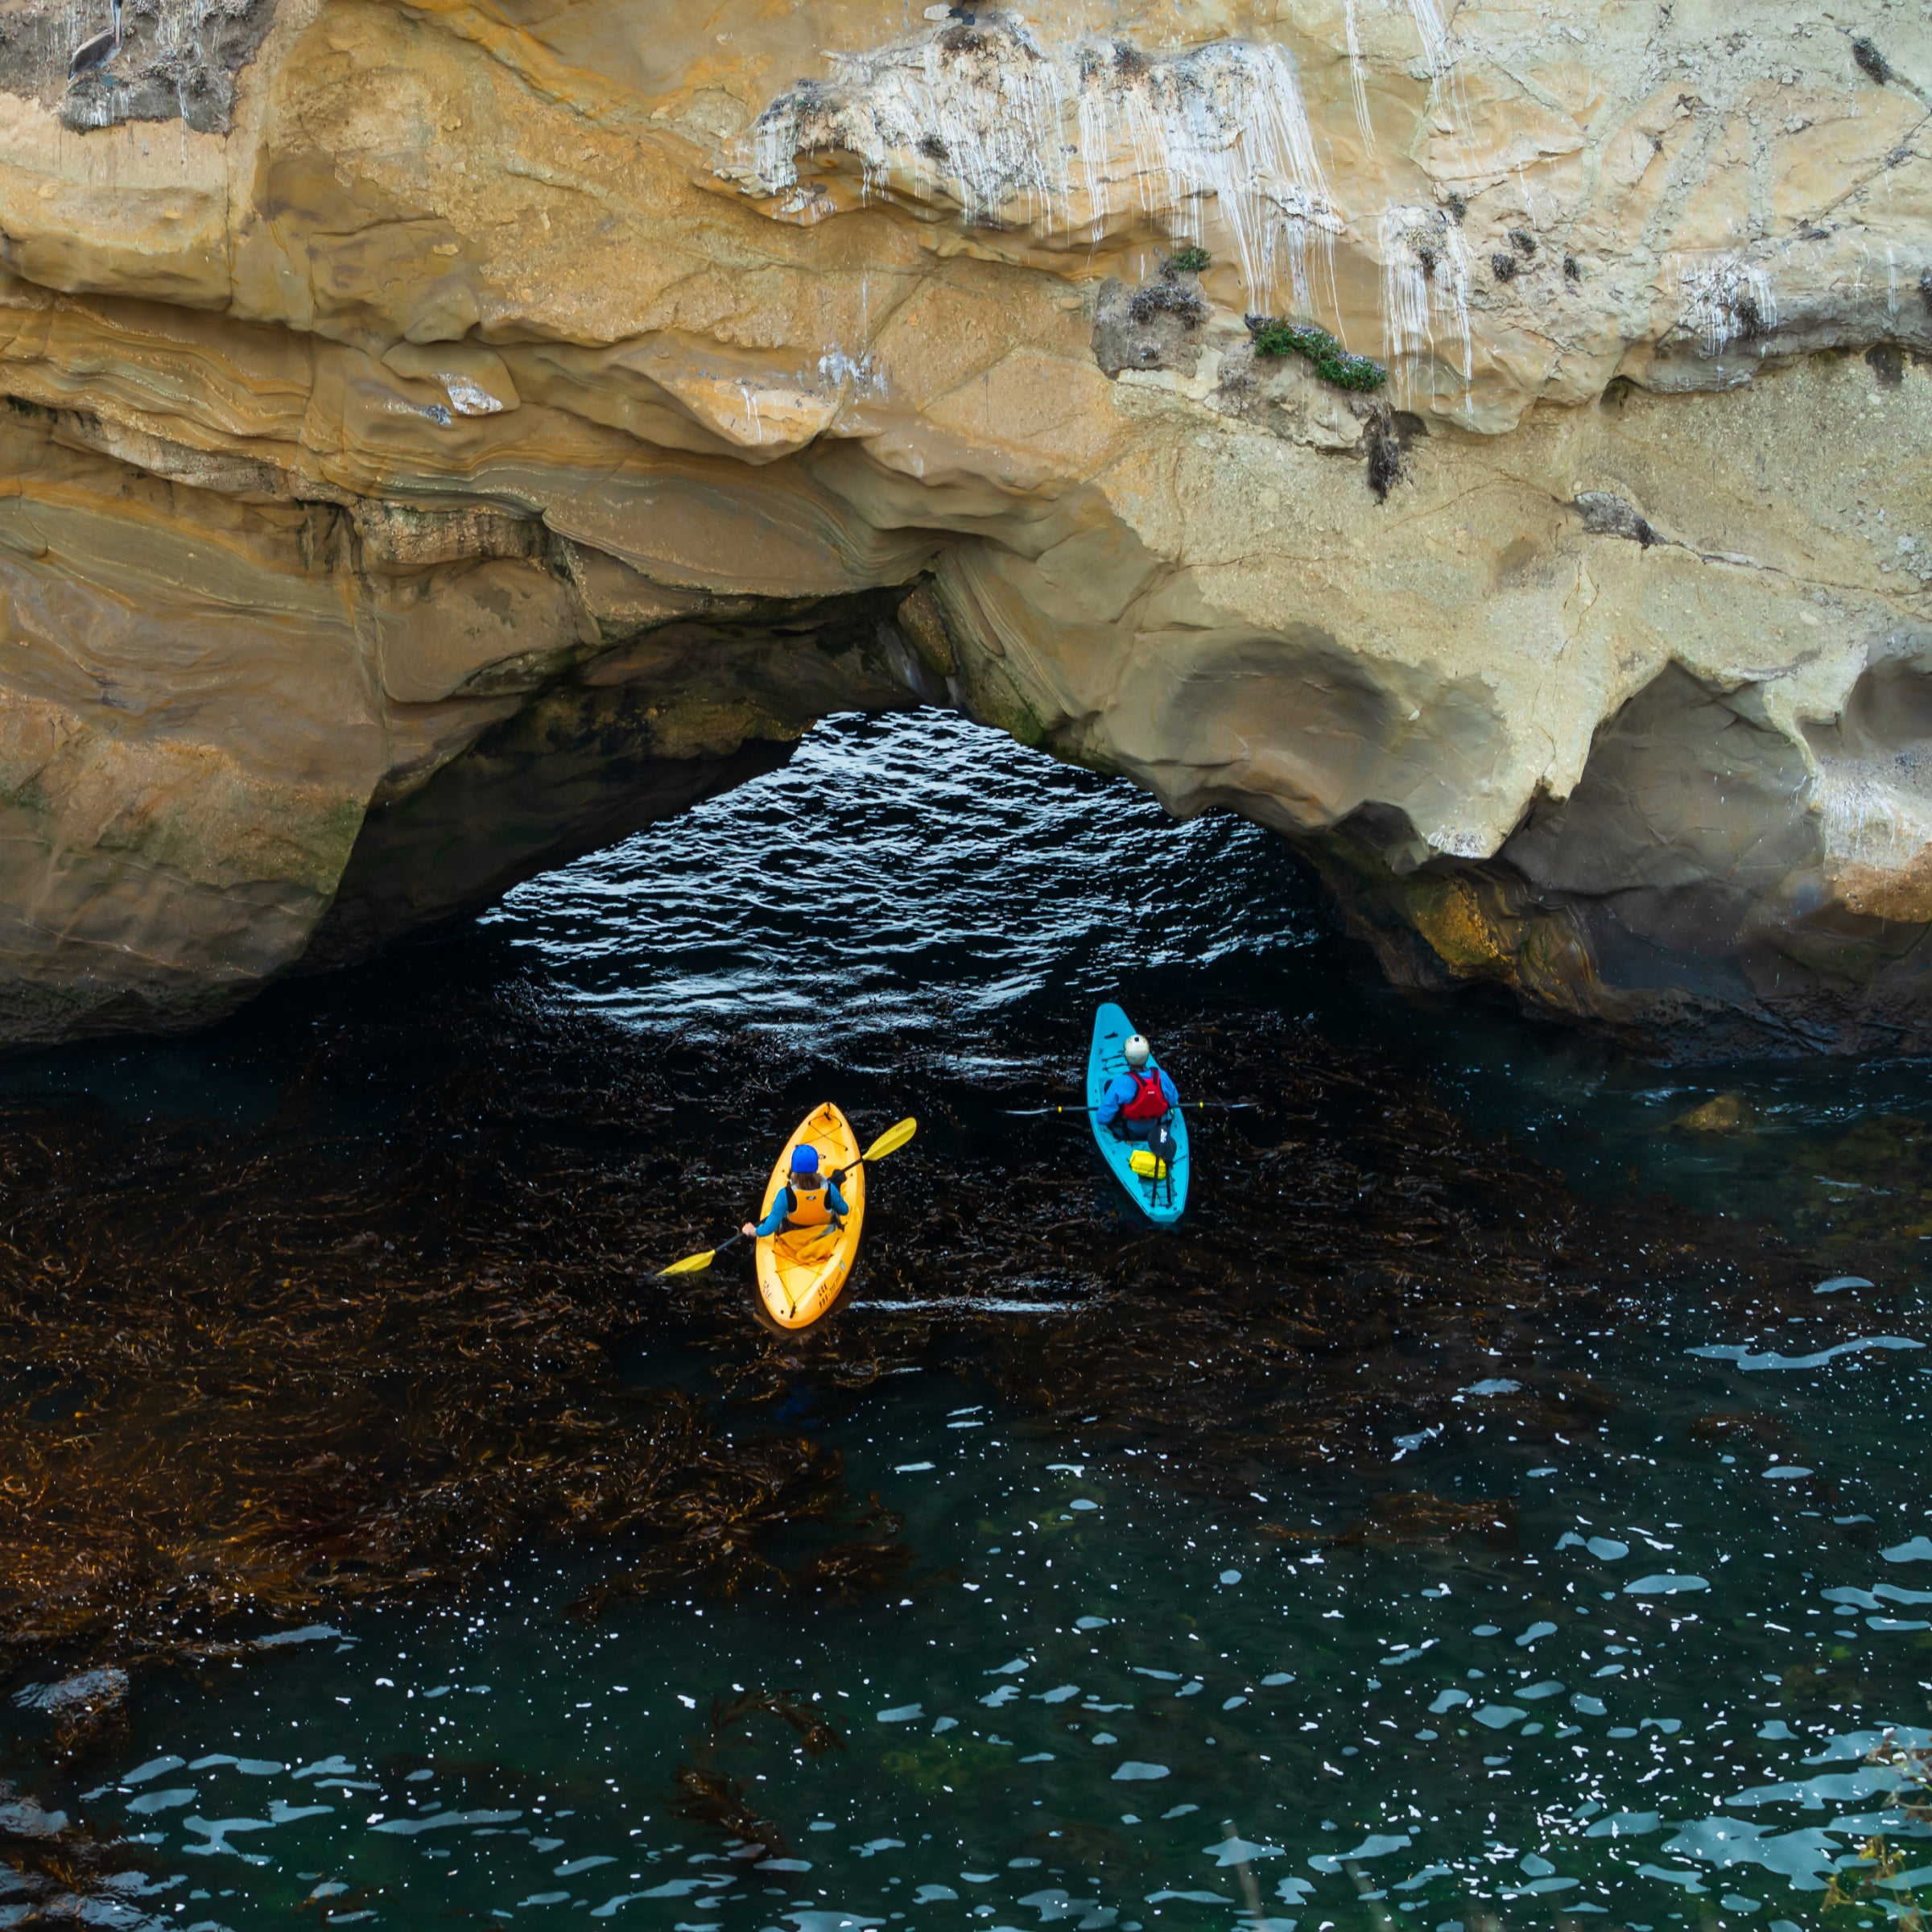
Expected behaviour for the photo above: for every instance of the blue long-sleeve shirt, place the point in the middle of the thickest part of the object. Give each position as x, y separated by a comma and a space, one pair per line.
774, 1221
1122, 1089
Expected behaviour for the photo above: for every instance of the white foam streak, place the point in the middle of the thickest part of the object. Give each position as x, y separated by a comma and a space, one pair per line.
967, 1304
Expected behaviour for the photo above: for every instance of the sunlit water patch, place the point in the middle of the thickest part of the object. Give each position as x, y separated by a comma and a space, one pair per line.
905, 873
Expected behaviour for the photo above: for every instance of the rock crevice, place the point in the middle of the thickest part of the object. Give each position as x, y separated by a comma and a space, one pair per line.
464, 437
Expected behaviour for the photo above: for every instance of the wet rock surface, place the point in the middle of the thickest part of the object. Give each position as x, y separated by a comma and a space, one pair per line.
461, 438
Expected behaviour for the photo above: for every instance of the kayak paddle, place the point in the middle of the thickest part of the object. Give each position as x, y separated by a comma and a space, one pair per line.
891, 1141
1196, 1106
894, 1138
695, 1264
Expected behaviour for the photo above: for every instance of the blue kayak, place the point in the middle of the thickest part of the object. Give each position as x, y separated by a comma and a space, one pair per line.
1161, 1199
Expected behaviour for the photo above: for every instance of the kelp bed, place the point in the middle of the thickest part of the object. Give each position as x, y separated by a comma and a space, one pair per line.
319, 1359
1353, 1254
358, 1345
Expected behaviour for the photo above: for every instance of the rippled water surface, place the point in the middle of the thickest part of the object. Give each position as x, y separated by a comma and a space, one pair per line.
1569, 1575
908, 875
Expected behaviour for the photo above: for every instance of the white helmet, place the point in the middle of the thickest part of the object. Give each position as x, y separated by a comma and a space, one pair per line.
1137, 1051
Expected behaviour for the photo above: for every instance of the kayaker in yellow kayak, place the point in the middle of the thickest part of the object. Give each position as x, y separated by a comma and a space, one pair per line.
808, 1199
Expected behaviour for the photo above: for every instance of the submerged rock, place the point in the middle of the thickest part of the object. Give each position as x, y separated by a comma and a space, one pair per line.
99, 1689
440, 441
1721, 1114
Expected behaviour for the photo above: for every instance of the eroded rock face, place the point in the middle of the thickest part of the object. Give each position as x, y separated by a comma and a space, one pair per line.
439, 439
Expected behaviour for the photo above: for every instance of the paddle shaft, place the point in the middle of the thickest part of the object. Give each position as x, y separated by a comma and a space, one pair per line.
894, 1138
1196, 1105
891, 1141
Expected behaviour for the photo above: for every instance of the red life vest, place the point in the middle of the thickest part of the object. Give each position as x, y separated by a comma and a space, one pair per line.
1148, 1103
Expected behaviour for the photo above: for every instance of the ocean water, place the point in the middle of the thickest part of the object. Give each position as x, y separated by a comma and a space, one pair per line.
1576, 1570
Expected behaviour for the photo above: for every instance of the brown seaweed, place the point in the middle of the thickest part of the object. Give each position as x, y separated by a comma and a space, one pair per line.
1743, 1425
710, 1799
815, 1729
1354, 1253
257, 1375
707, 1796
1407, 1517
49, 1864
247, 1373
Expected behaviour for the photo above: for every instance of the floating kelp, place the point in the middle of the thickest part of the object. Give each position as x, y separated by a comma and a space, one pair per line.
1860, 1199
706, 1795
814, 1728
51, 1867
711, 1799
249, 1373
1412, 1516
327, 1358
1356, 1257
718, 1537
1749, 1425
264, 1373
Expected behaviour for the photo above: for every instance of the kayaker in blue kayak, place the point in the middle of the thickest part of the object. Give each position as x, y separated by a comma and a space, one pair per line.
809, 1200
1137, 1103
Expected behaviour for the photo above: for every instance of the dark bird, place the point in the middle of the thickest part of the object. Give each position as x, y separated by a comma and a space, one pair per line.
97, 52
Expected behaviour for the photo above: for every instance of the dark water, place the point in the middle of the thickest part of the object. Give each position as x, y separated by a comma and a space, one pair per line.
1567, 1572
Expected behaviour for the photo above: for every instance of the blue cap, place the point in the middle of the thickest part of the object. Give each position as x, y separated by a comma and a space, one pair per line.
804, 1160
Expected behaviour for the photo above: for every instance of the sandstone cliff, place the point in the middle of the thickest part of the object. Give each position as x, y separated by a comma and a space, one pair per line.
441, 438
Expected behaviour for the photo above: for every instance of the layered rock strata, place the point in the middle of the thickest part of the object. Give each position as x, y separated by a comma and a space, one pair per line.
440, 439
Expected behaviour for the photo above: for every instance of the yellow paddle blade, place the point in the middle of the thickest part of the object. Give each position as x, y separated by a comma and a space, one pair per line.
894, 1138
1146, 1166
692, 1264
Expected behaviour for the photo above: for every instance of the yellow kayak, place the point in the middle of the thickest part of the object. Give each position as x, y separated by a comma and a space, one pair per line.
801, 1271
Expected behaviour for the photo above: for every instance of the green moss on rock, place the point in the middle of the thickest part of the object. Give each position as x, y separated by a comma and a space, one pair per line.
1332, 362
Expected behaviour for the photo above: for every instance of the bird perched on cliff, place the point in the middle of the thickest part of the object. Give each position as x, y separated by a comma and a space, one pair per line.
99, 51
